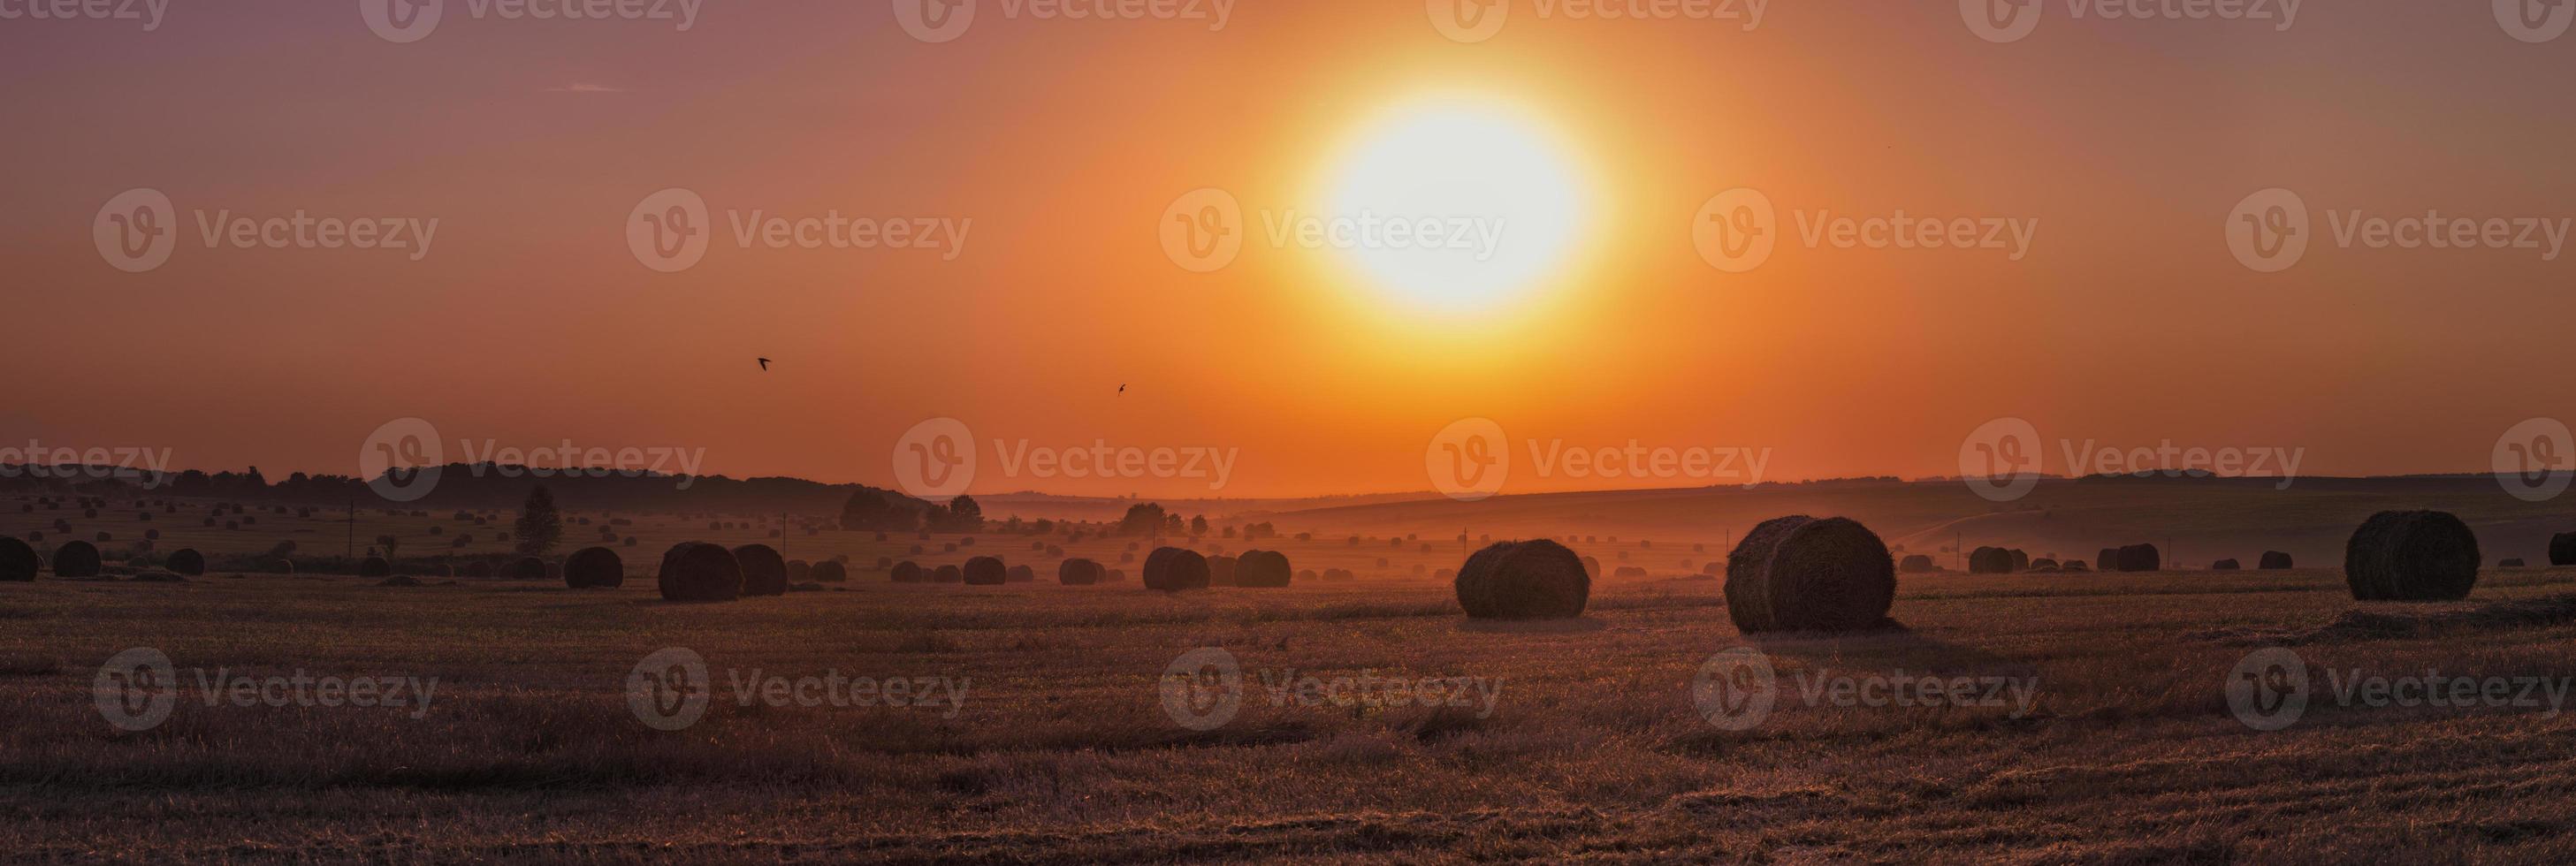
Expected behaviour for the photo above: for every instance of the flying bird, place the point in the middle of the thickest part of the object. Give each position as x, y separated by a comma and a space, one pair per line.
1122, 388
764, 365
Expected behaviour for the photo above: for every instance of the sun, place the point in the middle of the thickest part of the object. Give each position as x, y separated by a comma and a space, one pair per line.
1453, 206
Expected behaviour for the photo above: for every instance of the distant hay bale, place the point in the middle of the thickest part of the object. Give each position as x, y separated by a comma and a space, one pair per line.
1022, 574
2226, 565
1591, 568
1263, 569
2107, 560
918, 550
471, 569
375, 566
2511, 562
2043, 564
1054, 552
2021, 560
1221, 570
828, 571
764, 572
2074, 565
1172, 569
1990, 560
1915, 564
1079, 572
799, 571
950, 547
2411, 556
908, 571
986, 571
528, 568
2140, 557
185, 561
1629, 571
948, 574
18, 561
1802, 573
76, 559
594, 568
1519, 580
2562, 549
697, 571
1337, 575
2274, 560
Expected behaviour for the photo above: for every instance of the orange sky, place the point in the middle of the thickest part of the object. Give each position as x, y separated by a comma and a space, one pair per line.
529, 321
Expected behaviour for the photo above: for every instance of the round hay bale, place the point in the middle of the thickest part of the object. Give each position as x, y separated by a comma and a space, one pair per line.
697, 571
948, 574
185, 561
375, 566
1988, 560
2226, 565
764, 572
2021, 560
2141, 557
1915, 564
1079, 572
1536, 579
986, 571
1591, 568
2510, 562
1266, 569
528, 568
2274, 560
18, 561
2043, 564
2411, 556
2562, 549
1337, 575
1172, 569
908, 571
1022, 574
594, 568
828, 571
1629, 571
76, 559
2074, 565
1801, 573
2107, 560
1221, 570
799, 571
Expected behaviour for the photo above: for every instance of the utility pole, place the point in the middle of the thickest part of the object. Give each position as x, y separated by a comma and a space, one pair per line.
352, 552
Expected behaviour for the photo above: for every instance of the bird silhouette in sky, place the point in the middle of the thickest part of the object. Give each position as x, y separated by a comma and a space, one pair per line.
764, 365
1122, 389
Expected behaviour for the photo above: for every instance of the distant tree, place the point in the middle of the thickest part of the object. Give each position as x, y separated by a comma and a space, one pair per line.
964, 515
1142, 519
1199, 525
869, 509
540, 526
937, 518
390, 544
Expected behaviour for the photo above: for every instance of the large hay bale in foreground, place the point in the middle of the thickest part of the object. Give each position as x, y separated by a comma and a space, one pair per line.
1079, 572
594, 568
528, 568
2141, 557
986, 571
1988, 560
697, 571
18, 561
2274, 560
764, 572
185, 561
1536, 579
2411, 556
375, 566
1802, 573
1264, 569
1172, 569
908, 571
2562, 549
75, 560
829, 571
